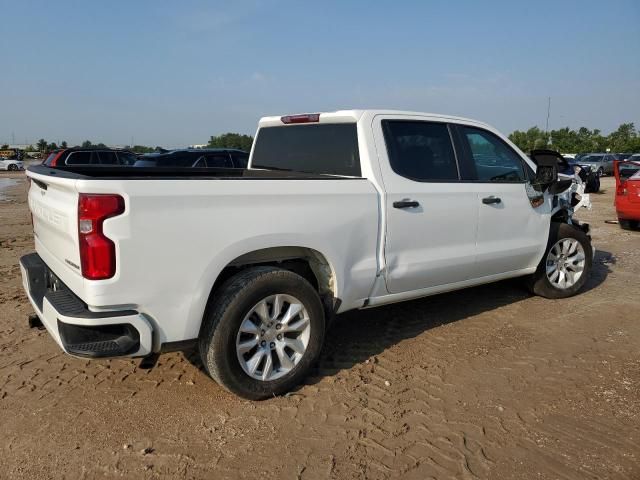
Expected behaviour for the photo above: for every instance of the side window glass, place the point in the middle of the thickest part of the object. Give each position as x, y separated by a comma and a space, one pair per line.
240, 160
125, 158
494, 160
178, 160
219, 160
79, 158
420, 151
107, 158
200, 163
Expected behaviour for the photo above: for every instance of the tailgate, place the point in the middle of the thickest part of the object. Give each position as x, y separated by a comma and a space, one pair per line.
54, 207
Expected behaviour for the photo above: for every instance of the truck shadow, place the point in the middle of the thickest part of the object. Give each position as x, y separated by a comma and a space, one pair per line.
360, 335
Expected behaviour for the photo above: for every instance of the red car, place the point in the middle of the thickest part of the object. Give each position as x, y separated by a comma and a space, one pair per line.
627, 200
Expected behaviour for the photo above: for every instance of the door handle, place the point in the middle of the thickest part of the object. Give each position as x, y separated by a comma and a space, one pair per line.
406, 204
491, 200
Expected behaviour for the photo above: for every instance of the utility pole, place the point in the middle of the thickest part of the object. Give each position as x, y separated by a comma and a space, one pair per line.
546, 129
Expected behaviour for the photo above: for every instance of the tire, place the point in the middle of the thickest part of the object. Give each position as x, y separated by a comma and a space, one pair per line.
600, 172
224, 325
12, 168
593, 184
540, 282
628, 224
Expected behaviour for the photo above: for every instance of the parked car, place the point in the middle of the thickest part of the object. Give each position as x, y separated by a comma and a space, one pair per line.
11, 164
335, 212
627, 199
89, 156
602, 163
196, 158
585, 173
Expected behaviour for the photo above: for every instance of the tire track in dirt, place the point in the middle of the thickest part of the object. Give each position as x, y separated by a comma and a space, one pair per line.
486, 383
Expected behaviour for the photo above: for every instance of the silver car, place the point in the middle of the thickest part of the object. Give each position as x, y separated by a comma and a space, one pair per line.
11, 165
600, 163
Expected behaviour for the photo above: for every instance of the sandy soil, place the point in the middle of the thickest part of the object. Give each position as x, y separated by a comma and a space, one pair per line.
485, 383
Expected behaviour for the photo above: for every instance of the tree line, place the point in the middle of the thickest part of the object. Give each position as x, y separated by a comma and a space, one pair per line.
626, 139
226, 140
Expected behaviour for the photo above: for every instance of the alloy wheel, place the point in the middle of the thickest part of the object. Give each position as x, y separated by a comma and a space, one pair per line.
273, 337
565, 263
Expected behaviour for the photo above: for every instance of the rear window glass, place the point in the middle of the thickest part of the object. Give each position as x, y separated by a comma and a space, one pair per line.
50, 158
318, 148
629, 170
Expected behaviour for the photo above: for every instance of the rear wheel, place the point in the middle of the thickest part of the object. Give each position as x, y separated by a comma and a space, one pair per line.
262, 332
628, 224
566, 264
13, 167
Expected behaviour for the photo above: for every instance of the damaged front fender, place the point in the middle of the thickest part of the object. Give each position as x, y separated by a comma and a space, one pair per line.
567, 202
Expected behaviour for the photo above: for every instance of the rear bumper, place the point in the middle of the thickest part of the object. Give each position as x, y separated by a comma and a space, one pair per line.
79, 331
627, 210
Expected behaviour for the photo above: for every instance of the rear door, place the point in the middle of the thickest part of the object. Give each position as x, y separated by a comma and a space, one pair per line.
431, 215
511, 233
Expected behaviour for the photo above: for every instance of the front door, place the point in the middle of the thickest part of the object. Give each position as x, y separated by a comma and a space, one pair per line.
431, 216
512, 235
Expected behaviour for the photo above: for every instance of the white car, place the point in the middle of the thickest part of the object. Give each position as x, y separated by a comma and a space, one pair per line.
336, 211
11, 165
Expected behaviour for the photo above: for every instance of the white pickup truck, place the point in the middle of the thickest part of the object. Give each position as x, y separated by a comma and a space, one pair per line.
336, 211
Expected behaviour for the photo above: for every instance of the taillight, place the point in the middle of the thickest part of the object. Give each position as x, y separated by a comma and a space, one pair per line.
97, 252
305, 118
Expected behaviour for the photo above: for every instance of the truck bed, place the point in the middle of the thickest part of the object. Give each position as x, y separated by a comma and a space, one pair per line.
168, 173
182, 227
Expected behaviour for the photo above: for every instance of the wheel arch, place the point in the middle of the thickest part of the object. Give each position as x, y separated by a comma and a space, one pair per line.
307, 262
320, 273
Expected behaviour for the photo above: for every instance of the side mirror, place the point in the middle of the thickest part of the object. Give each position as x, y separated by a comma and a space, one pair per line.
549, 162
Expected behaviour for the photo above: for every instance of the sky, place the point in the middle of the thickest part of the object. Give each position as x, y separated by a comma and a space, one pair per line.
174, 73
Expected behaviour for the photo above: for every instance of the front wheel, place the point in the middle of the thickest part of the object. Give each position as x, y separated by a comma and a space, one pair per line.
593, 184
13, 168
600, 172
262, 332
566, 264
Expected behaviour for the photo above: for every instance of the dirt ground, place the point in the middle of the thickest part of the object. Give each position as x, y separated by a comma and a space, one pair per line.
489, 382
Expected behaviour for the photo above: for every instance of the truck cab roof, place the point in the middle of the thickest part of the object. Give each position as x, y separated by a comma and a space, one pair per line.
349, 116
